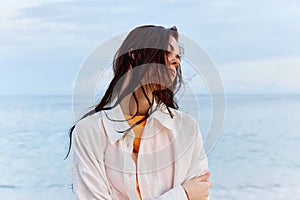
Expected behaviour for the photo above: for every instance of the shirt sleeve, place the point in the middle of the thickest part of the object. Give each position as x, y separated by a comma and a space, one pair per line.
198, 166
176, 193
89, 177
199, 163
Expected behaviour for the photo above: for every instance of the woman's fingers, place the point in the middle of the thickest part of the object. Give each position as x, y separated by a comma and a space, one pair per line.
203, 177
197, 190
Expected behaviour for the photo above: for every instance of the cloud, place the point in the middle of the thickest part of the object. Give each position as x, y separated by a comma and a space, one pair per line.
219, 23
236, 32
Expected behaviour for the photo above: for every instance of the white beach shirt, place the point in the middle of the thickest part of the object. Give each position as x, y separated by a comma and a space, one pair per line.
171, 152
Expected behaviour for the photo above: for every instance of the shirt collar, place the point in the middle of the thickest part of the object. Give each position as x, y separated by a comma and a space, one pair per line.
116, 125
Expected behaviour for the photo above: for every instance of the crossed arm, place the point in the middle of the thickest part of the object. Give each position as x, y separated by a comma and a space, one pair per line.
90, 180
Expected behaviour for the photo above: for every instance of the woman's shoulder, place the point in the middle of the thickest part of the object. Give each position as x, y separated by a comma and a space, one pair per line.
88, 122
88, 132
90, 126
184, 117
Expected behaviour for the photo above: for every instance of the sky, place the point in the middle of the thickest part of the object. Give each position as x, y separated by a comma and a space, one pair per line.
254, 44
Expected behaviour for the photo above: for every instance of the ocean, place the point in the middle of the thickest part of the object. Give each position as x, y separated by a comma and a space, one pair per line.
256, 156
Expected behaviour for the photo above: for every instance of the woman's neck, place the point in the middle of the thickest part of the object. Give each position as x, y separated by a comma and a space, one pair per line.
129, 104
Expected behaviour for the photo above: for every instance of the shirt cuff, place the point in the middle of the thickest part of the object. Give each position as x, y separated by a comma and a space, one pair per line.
181, 194
176, 193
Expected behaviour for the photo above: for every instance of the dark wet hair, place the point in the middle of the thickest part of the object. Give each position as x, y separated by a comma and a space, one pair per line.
142, 54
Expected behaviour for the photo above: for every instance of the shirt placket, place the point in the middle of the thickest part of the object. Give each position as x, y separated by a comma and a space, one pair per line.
140, 169
130, 174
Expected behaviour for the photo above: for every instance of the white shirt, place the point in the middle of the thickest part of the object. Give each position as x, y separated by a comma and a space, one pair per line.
171, 152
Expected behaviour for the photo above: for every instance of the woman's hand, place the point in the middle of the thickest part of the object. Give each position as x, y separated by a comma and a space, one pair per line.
198, 188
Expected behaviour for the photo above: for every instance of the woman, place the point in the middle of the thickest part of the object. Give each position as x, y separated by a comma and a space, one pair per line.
135, 144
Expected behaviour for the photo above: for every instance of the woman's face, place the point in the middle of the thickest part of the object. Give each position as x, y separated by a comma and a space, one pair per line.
173, 58
158, 79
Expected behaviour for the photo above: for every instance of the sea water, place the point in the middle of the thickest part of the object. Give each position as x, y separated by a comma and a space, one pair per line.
256, 156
